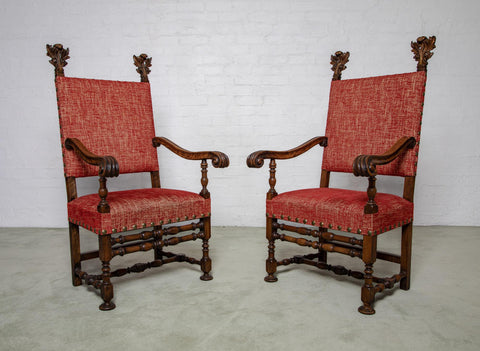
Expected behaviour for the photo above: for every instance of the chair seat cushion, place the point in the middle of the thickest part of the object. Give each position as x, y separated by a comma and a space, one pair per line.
132, 209
341, 209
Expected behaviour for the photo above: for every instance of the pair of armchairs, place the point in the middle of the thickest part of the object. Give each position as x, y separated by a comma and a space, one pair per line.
373, 128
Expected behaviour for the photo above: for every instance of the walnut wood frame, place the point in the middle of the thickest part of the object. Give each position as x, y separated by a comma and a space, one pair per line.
325, 241
154, 239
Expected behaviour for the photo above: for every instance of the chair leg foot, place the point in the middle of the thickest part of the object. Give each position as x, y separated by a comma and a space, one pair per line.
364, 309
206, 277
270, 278
107, 306
405, 283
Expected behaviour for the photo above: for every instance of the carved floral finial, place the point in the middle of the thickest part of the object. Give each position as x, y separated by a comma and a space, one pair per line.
143, 62
338, 62
59, 57
422, 51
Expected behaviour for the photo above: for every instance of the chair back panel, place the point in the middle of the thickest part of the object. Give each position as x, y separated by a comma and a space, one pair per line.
110, 118
368, 115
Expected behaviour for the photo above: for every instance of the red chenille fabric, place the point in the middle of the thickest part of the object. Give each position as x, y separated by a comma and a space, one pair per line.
341, 209
140, 208
111, 119
367, 116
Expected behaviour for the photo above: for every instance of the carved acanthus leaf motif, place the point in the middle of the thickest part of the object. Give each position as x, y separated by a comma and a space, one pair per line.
59, 57
338, 62
143, 62
422, 51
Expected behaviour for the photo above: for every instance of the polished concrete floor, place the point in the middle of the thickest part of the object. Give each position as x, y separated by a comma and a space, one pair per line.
169, 308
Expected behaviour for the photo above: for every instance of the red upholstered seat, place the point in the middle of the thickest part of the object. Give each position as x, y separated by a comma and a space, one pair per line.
140, 208
341, 209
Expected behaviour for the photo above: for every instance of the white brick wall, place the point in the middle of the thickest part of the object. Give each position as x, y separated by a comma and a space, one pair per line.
237, 76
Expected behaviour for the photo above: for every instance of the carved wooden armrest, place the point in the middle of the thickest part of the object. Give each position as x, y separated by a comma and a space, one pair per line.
219, 159
255, 159
107, 167
366, 166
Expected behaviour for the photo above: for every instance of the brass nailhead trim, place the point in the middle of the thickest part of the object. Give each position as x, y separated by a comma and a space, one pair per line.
134, 226
349, 229
330, 226
304, 221
359, 231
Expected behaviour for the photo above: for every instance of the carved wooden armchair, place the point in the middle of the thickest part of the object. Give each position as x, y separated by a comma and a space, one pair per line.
107, 129
373, 127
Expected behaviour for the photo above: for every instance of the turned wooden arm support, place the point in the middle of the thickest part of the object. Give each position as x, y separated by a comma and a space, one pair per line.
255, 159
107, 167
366, 166
219, 159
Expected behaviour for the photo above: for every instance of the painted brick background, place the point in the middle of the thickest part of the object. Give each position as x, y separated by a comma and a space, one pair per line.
238, 76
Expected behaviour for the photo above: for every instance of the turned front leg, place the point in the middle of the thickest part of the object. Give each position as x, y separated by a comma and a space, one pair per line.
106, 289
369, 256
206, 262
271, 263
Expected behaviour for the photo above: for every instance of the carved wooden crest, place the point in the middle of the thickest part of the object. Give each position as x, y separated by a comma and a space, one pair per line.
422, 51
59, 57
143, 62
338, 62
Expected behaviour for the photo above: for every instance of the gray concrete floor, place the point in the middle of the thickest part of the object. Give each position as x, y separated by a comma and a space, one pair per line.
169, 308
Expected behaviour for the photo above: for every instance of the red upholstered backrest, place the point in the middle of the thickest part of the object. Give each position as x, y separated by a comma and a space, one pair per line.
367, 116
111, 119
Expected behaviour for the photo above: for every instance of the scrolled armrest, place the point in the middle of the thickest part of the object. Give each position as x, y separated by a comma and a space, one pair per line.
108, 165
256, 159
366, 165
219, 159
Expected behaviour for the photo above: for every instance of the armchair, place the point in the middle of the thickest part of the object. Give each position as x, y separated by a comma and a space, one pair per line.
107, 129
373, 128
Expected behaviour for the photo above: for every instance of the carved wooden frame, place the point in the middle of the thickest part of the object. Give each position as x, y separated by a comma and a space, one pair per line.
325, 241
155, 239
